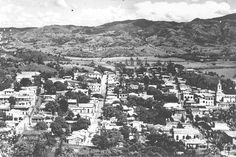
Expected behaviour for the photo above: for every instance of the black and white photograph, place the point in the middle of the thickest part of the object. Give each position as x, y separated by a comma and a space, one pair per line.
117, 78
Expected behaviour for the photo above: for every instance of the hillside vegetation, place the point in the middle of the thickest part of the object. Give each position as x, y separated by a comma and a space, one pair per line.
208, 37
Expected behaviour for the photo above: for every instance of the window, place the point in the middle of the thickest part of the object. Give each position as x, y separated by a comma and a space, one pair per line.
177, 137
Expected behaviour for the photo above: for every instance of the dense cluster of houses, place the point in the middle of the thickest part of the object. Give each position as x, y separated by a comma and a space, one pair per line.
22, 115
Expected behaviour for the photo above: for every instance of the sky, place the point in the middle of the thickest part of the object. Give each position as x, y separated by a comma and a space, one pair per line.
38, 13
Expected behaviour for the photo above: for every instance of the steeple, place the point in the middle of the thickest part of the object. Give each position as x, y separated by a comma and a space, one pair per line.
219, 87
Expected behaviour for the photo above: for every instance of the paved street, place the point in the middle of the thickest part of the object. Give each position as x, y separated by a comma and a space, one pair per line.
25, 123
93, 128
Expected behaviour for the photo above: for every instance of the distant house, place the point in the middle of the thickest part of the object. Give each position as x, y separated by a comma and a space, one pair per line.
94, 87
94, 75
173, 106
205, 99
220, 126
143, 95
188, 132
27, 74
53, 79
77, 74
86, 110
195, 143
24, 98
187, 95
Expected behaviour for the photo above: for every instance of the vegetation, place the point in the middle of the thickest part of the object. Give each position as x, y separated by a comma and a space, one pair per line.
107, 139
41, 126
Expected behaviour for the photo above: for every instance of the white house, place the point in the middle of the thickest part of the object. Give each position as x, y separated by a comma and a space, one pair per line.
27, 74
86, 110
94, 87
95, 75
189, 132
205, 99
24, 98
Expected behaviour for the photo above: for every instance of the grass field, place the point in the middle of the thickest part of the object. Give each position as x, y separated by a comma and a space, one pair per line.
221, 67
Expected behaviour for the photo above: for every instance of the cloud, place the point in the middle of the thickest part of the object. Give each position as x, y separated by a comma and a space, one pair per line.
181, 11
62, 3
25, 13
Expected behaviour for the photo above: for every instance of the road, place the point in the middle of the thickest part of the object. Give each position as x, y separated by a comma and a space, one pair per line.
25, 123
94, 127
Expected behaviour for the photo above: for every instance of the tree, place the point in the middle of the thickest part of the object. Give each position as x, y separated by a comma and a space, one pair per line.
81, 123
56, 129
49, 87
6, 82
37, 81
2, 124
60, 86
80, 78
41, 126
17, 86
51, 106
59, 128
182, 119
12, 101
63, 105
179, 125
25, 82
40, 59
107, 139
170, 98
23, 148
84, 99
125, 131
97, 96
157, 94
70, 115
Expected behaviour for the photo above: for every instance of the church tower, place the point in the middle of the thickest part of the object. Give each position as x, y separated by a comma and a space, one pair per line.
219, 92
219, 87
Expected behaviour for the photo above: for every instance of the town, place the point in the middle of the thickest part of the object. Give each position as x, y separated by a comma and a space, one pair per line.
135, 109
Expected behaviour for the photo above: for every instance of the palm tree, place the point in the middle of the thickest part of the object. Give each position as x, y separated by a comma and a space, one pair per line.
12, 101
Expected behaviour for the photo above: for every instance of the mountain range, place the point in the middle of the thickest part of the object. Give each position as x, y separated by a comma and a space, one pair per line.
141, 37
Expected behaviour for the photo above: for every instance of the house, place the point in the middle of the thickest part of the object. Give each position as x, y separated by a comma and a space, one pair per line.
94, 75
172, 105
24, 98
48, 98
143, 95
195, 143
86, 110
205, 99
110, 124
187, 95
94, 87
76, 139
220, 126
53, 79
85, 91
17, 116
139, 125
77, 74
72, 102
185, 133
4, 106
27, 74
123, 96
